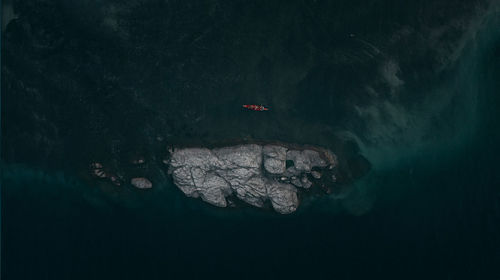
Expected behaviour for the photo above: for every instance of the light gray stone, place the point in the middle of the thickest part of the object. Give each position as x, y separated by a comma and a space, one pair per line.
253, 192
305, 160
200, 157
253, 173
141, 183
274, 166
214, 189
248, 156
274, 159
283, 197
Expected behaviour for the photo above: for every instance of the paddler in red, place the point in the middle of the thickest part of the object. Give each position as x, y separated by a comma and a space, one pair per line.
256, 107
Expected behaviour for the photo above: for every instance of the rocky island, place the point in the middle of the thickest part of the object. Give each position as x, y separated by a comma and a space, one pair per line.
252, 173
271, 175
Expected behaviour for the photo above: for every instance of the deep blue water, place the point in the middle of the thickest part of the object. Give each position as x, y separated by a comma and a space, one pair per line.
436, 215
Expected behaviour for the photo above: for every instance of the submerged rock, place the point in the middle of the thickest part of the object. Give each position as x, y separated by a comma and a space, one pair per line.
138, 161
97, 170
253, 173
316, 174
305, 182
115, 180
141, 183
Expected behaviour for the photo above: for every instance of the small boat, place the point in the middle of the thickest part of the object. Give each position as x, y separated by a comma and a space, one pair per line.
256, 107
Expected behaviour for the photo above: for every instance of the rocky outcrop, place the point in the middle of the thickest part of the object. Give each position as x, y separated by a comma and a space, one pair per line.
253, 173
274, 159
98, 170
141, 183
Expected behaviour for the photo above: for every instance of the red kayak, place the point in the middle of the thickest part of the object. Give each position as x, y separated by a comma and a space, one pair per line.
256, 107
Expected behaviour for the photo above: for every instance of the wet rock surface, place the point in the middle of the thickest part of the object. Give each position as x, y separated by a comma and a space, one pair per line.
253, 173
141, 183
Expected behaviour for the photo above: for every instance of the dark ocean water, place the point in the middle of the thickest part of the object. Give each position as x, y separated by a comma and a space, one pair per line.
433, 213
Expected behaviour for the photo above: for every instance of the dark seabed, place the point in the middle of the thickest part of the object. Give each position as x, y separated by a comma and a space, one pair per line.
428, 209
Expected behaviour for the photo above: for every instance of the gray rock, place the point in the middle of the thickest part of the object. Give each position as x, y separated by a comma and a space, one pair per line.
98, 170
214, 190
283, 197
274, 159
253, 191
296, 182
302, 182
316, 174
200, 157
305, 182
141, 183
274, 166
252, 173
305, 160
274, 151
247, 156
292, 172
